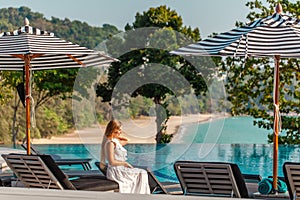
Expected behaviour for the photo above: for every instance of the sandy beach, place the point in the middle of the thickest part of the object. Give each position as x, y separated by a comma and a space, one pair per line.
141, 130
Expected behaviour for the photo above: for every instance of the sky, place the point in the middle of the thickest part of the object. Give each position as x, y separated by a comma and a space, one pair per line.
208, 15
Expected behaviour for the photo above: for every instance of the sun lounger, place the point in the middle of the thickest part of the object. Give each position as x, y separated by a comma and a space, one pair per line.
85, 163
156, 186
252, 181
101, 168
211, 179
162, 187
252, 178
291, 171
40, 171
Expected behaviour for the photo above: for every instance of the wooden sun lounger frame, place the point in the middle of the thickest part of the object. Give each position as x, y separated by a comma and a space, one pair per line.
41, 171
210, 179
162, 187
291, 171
32, 171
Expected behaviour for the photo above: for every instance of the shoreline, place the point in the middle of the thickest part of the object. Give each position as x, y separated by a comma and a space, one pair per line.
141, 130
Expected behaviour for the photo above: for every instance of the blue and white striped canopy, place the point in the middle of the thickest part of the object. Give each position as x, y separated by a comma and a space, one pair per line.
274, 36
46, 51
266, 37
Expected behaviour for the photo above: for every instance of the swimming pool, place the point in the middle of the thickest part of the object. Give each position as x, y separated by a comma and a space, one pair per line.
251, 158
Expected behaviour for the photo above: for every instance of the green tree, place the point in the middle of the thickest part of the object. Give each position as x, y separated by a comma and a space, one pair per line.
45, 86
49, 84
250, 82
147, 50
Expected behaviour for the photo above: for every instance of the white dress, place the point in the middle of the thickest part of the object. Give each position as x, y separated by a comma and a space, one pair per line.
130, 180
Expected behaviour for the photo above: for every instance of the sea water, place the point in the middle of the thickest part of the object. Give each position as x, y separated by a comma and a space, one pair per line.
233, 139
231, 130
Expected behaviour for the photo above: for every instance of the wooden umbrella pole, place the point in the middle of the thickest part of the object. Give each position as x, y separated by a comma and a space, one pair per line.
276, 113
276, 122
27, 100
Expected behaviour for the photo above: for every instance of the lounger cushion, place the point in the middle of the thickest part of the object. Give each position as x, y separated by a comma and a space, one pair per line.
94, 183
82, 182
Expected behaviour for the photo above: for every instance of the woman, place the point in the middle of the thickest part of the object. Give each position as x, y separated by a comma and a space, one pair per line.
130, 180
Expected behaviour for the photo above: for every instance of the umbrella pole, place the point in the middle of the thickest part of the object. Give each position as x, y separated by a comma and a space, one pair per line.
27, 100
276, 122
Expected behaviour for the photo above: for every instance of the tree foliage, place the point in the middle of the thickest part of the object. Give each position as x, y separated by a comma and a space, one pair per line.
250, 82
143, 50
52, 82
48, 86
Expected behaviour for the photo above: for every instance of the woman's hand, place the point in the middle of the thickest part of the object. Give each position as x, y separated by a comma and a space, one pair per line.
123, 140
126, 164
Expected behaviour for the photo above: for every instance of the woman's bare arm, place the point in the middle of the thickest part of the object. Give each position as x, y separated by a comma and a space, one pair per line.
110, 148
123, 140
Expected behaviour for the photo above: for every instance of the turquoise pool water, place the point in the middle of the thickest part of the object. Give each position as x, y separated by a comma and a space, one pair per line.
251, 158
238, 141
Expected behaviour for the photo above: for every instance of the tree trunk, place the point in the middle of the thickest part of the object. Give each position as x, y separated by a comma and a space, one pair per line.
14, 130
160, 119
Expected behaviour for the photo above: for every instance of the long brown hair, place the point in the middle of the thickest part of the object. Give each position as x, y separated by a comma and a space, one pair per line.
111, 127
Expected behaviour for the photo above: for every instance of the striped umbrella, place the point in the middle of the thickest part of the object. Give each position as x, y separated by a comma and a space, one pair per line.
275, 36
30, 49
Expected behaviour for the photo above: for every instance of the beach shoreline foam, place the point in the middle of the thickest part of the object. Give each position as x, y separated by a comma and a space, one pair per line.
139, 131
